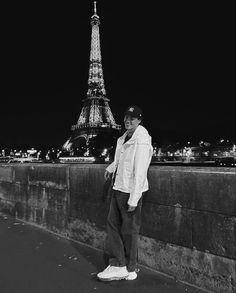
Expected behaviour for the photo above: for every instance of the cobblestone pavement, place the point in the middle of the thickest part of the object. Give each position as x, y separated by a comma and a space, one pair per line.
35, 261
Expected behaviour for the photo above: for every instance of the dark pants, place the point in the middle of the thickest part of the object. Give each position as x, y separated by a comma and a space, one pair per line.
123, 232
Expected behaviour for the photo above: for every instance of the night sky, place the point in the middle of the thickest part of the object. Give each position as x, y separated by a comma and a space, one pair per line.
175, 60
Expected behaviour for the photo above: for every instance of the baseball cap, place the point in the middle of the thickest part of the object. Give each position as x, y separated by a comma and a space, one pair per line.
134, 111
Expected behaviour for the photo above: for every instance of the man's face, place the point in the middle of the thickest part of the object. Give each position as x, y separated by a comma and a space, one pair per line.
131, 122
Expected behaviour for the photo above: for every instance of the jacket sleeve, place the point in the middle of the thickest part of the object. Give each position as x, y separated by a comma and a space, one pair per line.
142, 160
111, 167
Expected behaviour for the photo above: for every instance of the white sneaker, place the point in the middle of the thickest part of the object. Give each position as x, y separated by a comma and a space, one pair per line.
112, 273
131, 276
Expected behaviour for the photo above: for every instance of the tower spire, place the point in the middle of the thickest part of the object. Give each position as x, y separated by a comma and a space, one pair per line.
96, 85
95, 7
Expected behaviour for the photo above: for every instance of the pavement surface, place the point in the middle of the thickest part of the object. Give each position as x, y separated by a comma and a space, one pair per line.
35, 261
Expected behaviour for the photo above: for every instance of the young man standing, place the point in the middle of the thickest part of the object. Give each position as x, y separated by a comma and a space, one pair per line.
129, 173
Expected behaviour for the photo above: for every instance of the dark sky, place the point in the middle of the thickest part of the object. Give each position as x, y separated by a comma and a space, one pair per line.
175, 60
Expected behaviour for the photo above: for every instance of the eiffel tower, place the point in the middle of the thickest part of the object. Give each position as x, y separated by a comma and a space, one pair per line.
96, 127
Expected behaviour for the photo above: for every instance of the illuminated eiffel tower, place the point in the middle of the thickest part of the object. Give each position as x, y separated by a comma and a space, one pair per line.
96, 123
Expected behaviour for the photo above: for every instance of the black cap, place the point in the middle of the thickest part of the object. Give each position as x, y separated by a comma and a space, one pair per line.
134, 111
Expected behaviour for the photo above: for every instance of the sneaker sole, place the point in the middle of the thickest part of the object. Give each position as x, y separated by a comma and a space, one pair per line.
112, 279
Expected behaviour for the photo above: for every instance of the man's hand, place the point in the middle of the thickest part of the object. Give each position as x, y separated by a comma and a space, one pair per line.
131, 208
107, 175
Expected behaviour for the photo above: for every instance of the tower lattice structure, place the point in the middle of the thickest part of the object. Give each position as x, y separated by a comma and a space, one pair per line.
96, 113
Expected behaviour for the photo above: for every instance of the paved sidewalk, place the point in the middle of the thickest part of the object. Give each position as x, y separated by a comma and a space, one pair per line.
36, 261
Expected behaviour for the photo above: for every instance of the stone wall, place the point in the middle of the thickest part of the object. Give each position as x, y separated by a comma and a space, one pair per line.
189, 214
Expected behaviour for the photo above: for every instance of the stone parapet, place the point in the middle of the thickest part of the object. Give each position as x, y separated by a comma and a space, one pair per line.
189, 214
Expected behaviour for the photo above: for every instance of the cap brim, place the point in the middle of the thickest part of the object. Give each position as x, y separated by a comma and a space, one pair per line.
131, 114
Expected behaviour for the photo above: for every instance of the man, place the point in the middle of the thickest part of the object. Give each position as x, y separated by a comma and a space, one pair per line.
129, 173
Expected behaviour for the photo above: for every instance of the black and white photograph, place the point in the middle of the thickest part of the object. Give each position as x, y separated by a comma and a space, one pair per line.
118, 147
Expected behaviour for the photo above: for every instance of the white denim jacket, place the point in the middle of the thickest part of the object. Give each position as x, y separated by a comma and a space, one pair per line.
131, 163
